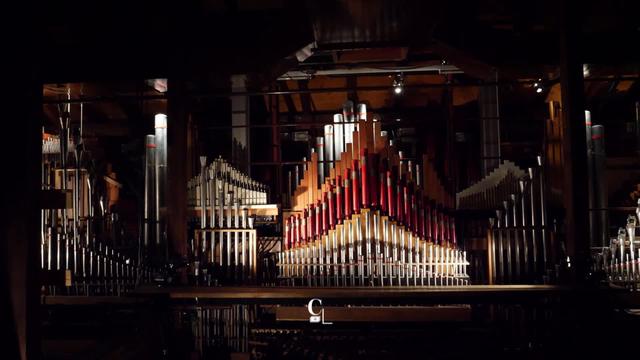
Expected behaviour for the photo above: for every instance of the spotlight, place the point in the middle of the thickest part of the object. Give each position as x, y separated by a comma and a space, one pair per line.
538, 86
398, 83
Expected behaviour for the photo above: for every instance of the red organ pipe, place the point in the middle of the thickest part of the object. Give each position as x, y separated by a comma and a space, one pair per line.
292, 231
427, 220
407, 205
355, 188
421, 214
452, 230
444, 236
325, 220
298, 233
364, 176
390, 199
318, 220
399, 203
373, 180
434, 225
303, 226
347, 193
414, 214
311, 221
383, 188
339, 201
332, 210
286, 234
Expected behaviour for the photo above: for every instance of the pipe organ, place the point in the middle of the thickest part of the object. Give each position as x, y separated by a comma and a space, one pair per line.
79, 252
521, 247
368, 216
223, 247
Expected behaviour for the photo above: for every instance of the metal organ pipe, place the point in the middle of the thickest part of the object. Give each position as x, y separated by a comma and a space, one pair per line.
160, 125
149, 186
590, 178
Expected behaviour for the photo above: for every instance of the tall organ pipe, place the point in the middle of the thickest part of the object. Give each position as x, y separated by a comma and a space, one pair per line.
328, 147
161, 172
321, 164
149, 185
349, 118
590, 179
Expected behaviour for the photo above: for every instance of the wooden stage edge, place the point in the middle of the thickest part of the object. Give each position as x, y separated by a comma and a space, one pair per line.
293, 293
434, 295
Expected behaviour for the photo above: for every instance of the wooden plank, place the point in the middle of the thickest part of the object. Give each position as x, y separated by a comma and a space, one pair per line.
441, 294
176, 201
379, 314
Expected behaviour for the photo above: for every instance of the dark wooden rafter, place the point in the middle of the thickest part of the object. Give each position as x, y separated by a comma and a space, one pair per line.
291, 107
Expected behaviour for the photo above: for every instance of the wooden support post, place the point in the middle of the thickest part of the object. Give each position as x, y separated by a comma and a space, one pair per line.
19, 225
176, 194
574, 141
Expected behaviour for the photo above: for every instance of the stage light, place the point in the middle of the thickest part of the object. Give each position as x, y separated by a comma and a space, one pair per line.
398, 84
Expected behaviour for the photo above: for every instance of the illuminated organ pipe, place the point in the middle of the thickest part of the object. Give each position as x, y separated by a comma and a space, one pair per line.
328, 150
373, 221
321, 163
149, 186
161, 174
223, 247
349, 118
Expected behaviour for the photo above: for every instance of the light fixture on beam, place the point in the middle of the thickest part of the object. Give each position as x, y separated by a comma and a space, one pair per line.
398, 84
538, 86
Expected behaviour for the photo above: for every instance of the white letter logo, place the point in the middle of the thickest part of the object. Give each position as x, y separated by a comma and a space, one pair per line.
316, 317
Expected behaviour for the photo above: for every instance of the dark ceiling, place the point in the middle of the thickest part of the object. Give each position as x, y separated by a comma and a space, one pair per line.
209, 39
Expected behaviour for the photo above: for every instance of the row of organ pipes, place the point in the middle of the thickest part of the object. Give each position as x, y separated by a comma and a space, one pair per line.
620, 260
79, 233
223, 243
363, 215
519, 242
